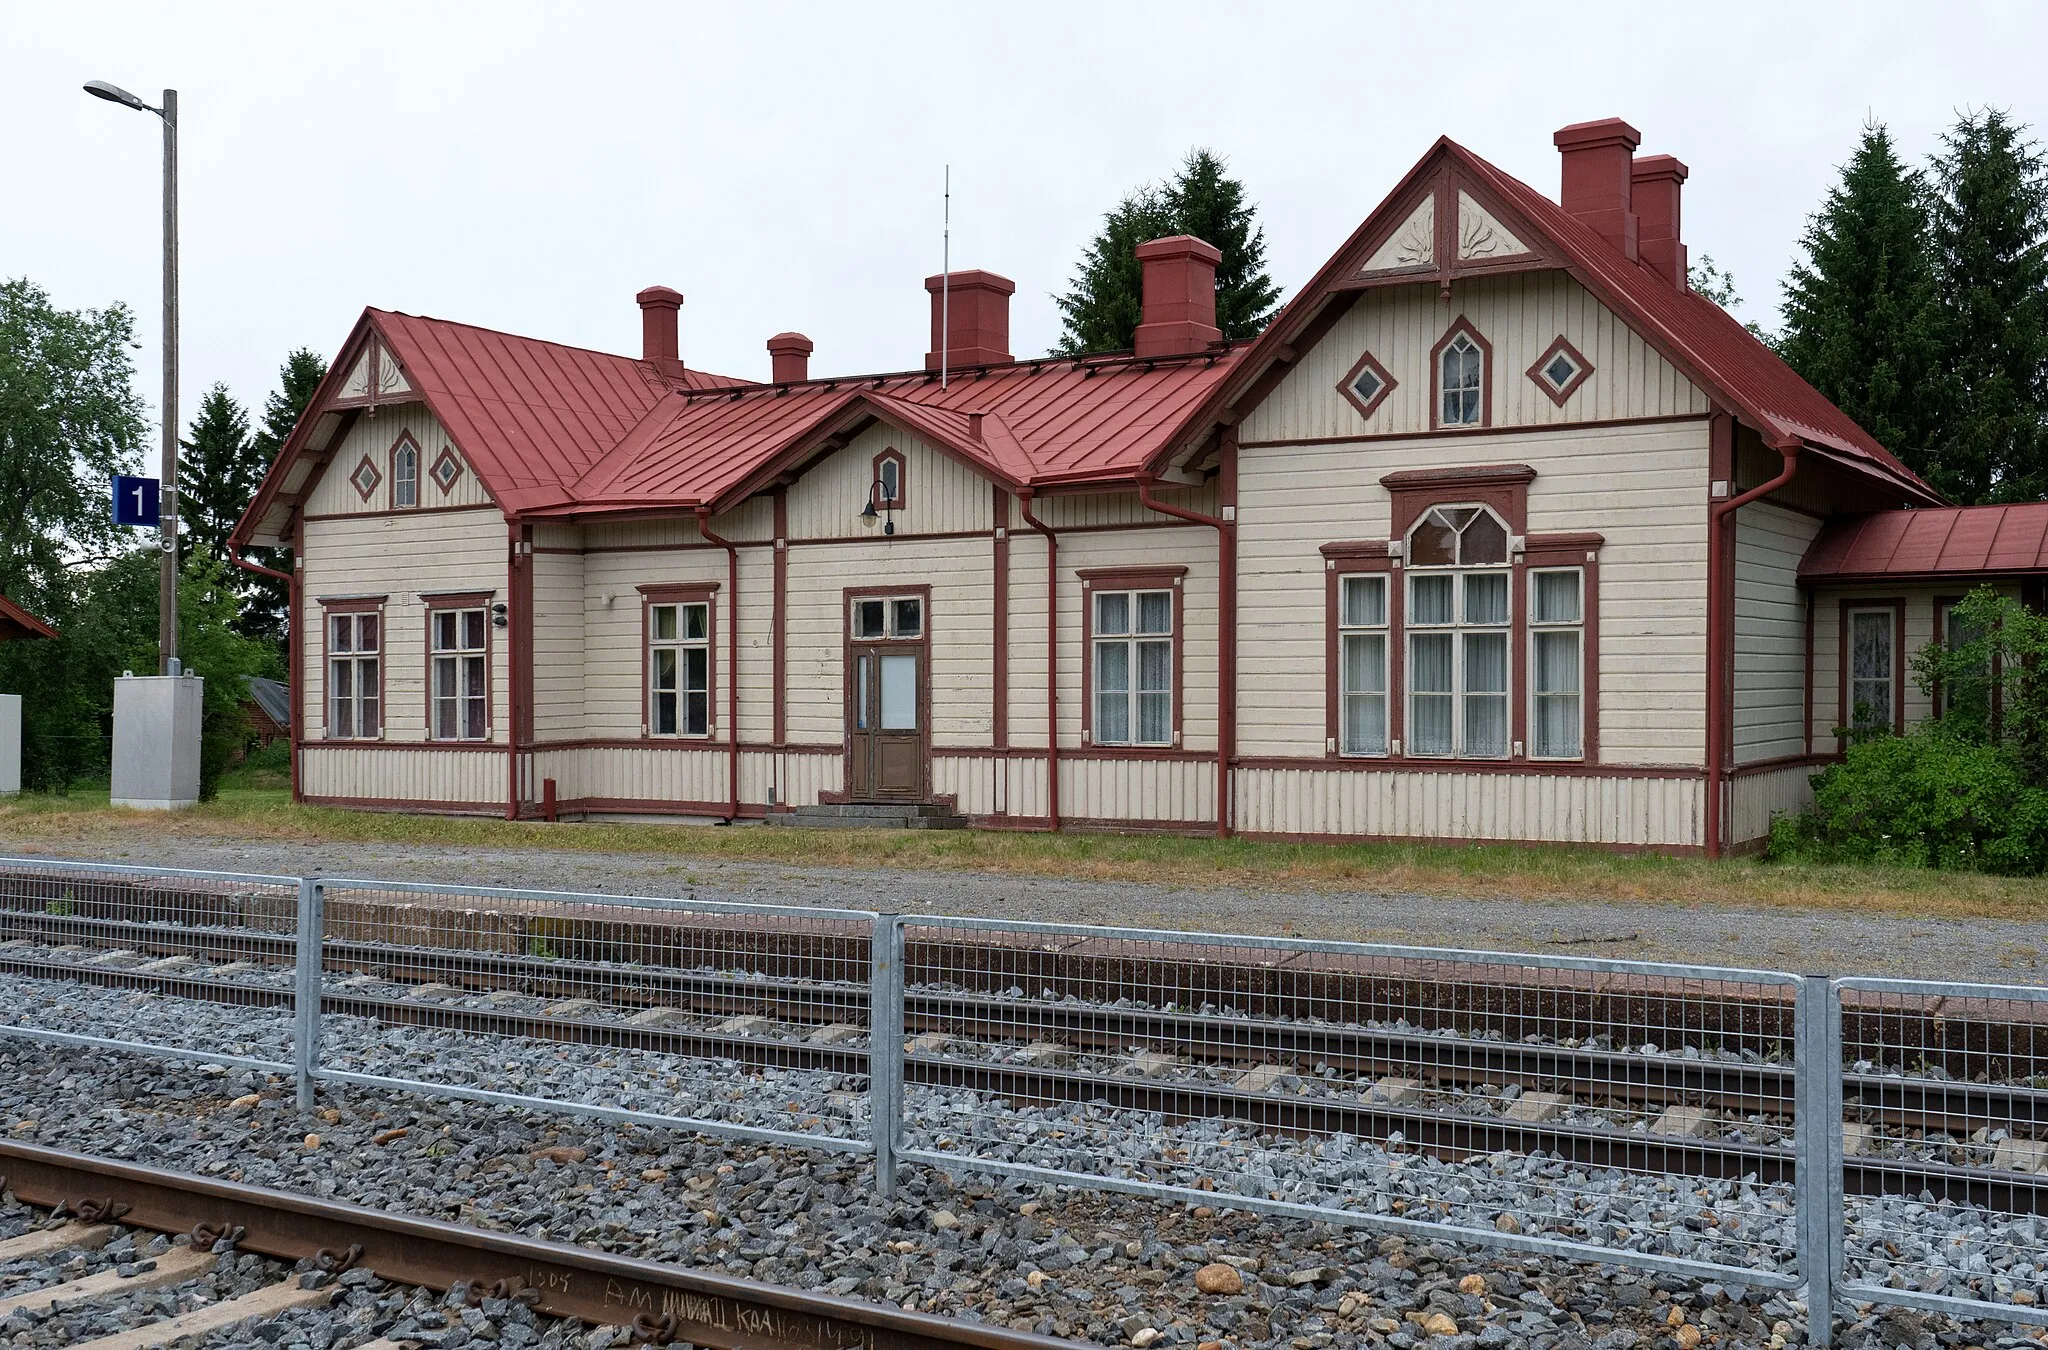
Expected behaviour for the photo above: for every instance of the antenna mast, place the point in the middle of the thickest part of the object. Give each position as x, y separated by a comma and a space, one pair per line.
946, 282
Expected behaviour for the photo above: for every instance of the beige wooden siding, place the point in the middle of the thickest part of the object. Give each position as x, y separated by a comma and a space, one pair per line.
1646, 812
1160, 791
1193, 547
1770, 631
558, 645
415, 776
1755, 799
1072, 510
1520, 315
1027, 643
971, 780
656, 774
374, 436
399, 556
1642, 487
944, 496
613, 640
960, 626
752, 521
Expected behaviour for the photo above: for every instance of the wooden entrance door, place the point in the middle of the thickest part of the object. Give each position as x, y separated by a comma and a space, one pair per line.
887, 702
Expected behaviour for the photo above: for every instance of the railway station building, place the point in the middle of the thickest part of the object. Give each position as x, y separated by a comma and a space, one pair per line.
1498, 532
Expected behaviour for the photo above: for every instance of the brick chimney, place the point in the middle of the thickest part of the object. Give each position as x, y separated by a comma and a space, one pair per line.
658, 346
1654, 189
789, 356
1178, 313
979, 334
1596, 186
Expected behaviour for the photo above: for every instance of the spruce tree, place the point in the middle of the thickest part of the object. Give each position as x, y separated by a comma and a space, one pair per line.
1861, 314
268, 600
218, 474
1991, 250
1100, 312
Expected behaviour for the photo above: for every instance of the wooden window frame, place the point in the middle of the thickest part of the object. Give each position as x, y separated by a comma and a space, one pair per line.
1095, 580
1464, 325
460, 600
890, 455
1363, 557
447, 456
1542, 381
402, 445
1458, 628
329, 610
1367, 406
679, 593
1844, 658
1532, 629
377, 477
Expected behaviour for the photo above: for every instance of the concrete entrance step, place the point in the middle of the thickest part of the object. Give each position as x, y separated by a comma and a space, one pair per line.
870, 816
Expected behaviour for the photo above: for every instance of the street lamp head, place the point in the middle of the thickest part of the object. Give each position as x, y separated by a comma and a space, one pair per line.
114, 93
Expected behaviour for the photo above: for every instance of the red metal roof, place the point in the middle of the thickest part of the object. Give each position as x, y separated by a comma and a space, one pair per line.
1931, 543
16, 622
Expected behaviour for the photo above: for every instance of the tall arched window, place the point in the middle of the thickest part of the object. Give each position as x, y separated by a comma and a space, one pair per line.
1459, 622
405, 474
889, 480
1460, 371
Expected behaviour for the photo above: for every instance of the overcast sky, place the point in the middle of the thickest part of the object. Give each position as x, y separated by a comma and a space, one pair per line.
529, 167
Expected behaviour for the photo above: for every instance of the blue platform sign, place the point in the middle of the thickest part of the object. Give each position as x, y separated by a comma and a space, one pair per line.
135, 501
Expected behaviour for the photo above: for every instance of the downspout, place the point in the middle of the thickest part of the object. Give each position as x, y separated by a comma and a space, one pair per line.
1052, 657
293, 665
1721, 633
1225, 526
732, 661
518, 654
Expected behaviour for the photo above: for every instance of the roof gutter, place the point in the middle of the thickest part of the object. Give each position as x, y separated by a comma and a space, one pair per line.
1225, 525
1052, 657
1721, 634
732, 660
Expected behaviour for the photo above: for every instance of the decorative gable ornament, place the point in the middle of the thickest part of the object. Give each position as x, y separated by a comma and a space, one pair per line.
1482, 236
1412, 244
376, 377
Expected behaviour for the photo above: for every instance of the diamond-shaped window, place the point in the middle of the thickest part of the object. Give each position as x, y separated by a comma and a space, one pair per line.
1560, 371
446, 470
1366, 385
366, 478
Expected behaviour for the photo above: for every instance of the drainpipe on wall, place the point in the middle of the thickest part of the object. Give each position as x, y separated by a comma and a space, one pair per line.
732, 661
1721, 631
1052, 657
1225, 526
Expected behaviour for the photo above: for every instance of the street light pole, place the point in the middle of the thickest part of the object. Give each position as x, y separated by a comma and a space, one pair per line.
167, 607
167, 497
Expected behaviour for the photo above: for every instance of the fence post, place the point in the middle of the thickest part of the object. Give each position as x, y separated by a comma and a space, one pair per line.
1817, 1141
306, 995
885, 1048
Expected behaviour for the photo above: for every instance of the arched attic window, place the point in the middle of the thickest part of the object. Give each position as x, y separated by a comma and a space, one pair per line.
891, 481
405, 472
1460, 369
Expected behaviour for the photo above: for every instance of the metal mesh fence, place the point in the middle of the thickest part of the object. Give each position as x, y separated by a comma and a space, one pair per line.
1633, 1113
1943, 1154
743, 1020
185, 964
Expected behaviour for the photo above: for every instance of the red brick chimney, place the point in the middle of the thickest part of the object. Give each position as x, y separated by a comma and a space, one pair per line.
1178, 313
1596, 186
789, 356
1654, 190
979, 334
658, 346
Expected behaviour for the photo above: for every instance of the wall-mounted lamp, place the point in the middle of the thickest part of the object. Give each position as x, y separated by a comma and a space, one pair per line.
887, 515
498, 619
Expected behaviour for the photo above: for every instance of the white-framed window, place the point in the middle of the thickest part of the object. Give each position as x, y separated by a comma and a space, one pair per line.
1133, 667
1557, 660
459, 703
405, 475
355, 683
1362, 663
881, 618
1461, 381
1873, 658
679, 668
1459, 619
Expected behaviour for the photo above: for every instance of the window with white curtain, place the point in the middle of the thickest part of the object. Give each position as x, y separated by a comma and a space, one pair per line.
1362, 663
1459, 619
405, 475
461, 685
1557, 641
1461, 382
1872, 654
1133, 667
354, 685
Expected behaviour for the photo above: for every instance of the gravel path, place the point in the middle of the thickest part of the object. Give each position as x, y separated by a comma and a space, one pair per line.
1808, 943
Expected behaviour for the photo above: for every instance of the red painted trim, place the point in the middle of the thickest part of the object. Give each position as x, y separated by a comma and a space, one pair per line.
1462, 841
1536, 376
703, 593
1524, 768
519, 586
446, 600
408, 806
999, 714
1461, 324
923, 643
1516, 429
1556, 552
640, 806
1844, 606
355, 476
1341, 560
1052, 658
419, 471
408, 511
732, 644
1093, 579
1504, 487
1777, 762
1225, 525
438, 747
681, 743
902, 497
367, 604
1806, 728
433, 475
778, 619
1367, 406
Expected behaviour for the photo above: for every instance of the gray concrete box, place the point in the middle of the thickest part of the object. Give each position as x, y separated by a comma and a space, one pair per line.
10, 744
156, 741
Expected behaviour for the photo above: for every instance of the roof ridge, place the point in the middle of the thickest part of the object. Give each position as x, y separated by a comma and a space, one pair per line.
636, 361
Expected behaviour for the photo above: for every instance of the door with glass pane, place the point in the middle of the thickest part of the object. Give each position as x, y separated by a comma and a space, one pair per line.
885, 700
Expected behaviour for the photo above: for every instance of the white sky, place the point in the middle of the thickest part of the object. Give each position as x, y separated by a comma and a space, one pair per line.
529, 167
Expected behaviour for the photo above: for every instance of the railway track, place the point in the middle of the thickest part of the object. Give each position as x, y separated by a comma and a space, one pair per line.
108, 1202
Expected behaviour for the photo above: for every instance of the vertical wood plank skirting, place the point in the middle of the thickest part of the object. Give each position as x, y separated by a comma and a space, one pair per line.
779, 651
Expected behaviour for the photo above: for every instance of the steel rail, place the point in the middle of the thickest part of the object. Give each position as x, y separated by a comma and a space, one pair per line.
708, 1309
